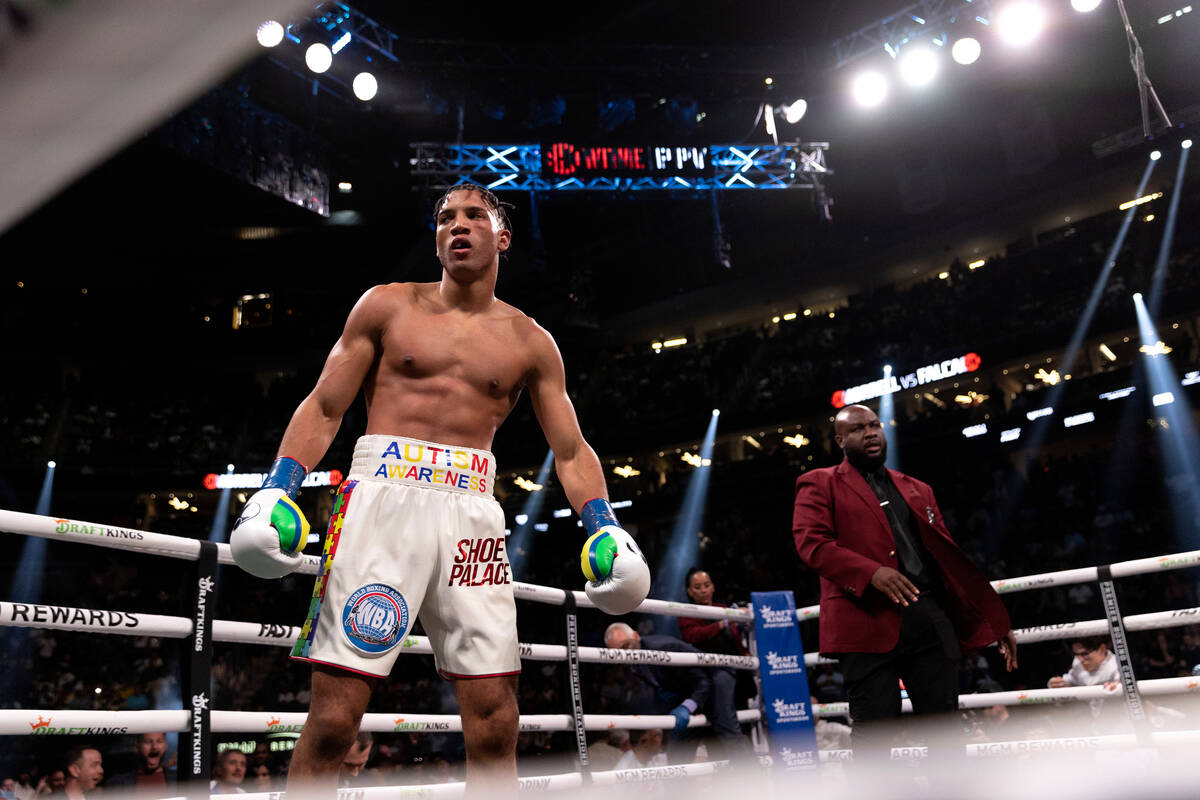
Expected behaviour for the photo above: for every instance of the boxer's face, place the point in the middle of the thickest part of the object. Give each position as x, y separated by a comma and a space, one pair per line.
860, 435
469, 237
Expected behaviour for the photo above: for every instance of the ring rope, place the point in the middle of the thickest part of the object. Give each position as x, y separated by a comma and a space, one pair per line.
179, 547
42, 721
1111, 741
61, 722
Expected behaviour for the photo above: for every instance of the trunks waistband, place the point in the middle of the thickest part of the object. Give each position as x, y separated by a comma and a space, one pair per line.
428, 465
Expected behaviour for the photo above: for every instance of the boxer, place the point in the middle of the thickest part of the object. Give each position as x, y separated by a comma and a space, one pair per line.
415, 529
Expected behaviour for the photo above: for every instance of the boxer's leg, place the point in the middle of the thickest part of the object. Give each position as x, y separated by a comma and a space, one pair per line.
339, 699
488, 707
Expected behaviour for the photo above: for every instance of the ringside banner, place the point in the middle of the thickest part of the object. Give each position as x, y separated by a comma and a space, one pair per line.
786, 699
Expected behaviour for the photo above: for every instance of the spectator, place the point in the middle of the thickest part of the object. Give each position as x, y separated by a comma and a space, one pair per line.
53, 784
152, 773
356, 760
261, 779
1093, 664
228, 773
84, 769
8, 789
646, 751
681, 691
711, 636
604, 754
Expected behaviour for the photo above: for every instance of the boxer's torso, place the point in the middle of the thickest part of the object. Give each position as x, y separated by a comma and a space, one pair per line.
442, 374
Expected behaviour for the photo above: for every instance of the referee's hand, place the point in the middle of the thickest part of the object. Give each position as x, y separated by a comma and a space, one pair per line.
895, 586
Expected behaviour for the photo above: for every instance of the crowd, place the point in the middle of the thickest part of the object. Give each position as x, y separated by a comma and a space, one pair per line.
1095, 500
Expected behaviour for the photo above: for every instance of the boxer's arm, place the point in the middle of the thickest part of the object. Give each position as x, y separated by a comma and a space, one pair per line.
318, 417
817, 543
578, 468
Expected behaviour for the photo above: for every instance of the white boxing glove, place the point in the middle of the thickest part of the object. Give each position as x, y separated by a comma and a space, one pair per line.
269, 535
628, 582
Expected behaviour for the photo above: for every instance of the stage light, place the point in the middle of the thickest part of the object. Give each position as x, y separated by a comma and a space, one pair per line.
1186, 144
1155, 155
51, 464
1162, 399
966, 50
365, 86
270, 33
1118, 394
1084, 6
1079, 419
788, 317
1137, 296
679, 342
716, 412
1020, 23
794, 111
1107, 352
341, 43
1038, 413
870, 89
1010, 435
918, 66
972, 431
318, 58
974, 265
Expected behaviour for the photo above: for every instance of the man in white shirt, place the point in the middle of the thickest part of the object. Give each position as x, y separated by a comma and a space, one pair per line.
1093, 664
647, 751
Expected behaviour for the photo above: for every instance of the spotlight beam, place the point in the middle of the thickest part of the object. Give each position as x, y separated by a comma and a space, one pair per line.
1178, 437
684, 549
1039, 429
1159, 279
520, 543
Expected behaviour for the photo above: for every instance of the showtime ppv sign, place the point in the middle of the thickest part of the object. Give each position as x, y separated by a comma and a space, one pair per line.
254, 480
890, 384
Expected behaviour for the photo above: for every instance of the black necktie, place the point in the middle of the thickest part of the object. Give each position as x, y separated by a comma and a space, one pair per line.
905, 547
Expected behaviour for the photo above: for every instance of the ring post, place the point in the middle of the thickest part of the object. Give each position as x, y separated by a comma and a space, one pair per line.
786, 702
194, 766
585, 768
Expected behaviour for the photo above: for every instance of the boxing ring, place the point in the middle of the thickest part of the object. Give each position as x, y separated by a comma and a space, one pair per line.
199, 721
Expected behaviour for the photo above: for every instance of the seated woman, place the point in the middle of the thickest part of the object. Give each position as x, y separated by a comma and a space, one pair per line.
709, 635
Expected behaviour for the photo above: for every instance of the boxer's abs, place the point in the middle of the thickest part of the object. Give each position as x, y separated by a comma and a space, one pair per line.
465, 408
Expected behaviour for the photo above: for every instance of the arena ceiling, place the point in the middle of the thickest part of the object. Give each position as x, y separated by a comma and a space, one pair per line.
980, 158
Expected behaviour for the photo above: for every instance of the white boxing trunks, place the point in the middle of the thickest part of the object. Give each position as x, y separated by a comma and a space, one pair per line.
414, 531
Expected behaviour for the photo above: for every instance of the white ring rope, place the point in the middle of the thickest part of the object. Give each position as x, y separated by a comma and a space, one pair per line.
1149, 687
189, 549
566, 780
42, 721
66, 618
61, 722
1026, 746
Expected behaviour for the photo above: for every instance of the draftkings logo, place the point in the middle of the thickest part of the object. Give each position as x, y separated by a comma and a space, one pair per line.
790, 712
199, 706
777, 618
87, 529
783, 665
42, 722
796, 758
275, 726
403, 725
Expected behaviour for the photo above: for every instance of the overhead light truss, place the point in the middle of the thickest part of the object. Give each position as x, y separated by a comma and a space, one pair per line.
926, 20
518, 167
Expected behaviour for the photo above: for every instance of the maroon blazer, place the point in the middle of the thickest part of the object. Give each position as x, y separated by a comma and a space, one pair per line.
843, 534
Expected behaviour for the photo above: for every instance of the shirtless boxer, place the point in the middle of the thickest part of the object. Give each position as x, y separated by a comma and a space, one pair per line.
415, 529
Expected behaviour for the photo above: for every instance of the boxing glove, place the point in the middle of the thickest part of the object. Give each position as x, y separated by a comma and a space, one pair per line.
628, 581
270, 534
